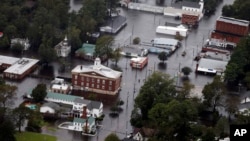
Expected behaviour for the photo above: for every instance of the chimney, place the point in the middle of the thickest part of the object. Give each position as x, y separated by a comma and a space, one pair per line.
84, 112
81, 67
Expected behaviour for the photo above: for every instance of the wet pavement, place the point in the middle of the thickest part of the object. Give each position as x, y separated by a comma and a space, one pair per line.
143, 25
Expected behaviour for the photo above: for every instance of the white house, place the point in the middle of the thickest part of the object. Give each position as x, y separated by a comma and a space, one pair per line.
24, 42
193, 6
59, 86
94, 108
63, 48
49, 108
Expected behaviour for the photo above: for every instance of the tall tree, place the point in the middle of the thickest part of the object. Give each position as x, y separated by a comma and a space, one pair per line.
95, 9
46, 52
39, 92
158, 88
7, 93
20, 114
213, 93
103, 47
174, 118
116, 55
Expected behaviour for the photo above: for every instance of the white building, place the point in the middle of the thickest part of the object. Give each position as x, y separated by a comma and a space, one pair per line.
94, 108
170, 30
60, 86
49, 108
63, 48
24, 42
166, 43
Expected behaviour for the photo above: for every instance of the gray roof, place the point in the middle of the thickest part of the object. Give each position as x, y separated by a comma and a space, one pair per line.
186, 4
94, 105
65, 97
191, 4
233, 21
209, 65
90, 104
82, 101
51, 105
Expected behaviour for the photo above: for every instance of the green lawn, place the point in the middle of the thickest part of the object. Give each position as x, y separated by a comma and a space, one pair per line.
31, 136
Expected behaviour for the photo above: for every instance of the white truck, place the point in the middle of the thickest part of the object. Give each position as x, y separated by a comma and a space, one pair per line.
169, 30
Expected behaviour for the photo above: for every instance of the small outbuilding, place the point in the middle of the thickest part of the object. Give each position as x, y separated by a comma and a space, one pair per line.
49, 108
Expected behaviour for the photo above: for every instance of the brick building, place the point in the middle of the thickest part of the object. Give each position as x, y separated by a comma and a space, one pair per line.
229, 30
96, 78
190, 18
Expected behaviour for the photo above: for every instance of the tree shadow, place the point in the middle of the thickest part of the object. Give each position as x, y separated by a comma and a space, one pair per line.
162, 66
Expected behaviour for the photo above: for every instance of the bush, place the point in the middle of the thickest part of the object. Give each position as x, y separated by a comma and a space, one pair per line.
136, 40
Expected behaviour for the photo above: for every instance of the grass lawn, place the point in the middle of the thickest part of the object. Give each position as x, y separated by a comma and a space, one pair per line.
31, 136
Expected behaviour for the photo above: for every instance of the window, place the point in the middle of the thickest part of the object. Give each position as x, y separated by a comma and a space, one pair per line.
110, 82
110, 88
97, 86
82, 78
75, 82
98, 80
87, 84
87, 79
75, 76
103, 87
103, 81
93, 85
82, 83
93, 79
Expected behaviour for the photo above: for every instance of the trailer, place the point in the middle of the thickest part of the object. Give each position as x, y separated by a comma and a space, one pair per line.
166, 43
169, 30
139, 62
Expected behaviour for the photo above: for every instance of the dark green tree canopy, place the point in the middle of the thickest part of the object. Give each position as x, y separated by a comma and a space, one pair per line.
186, 70
112, 137
39, 92
158, 88
163, 56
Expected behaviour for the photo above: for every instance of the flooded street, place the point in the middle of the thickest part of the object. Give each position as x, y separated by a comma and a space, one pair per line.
143, 25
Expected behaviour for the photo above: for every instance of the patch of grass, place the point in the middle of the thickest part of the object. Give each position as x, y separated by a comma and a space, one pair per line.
31, 136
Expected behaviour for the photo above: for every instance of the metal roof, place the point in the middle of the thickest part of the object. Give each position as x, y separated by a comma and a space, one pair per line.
233, 21
81, 120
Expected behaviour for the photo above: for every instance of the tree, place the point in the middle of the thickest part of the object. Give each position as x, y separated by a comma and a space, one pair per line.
95, 9
116, 55
112, 137
17, 47
186, 89
231, 105
213, 92
46, 53
7, 130
20, 114
136, 40
35, 122
222, 127
163, 56
186, 71
7, 93
39, 92
103, 47
208, 135
174, 117
158, 88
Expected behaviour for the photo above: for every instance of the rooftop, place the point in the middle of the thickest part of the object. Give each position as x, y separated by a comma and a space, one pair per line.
87, 49
8, 60
97, 68
165, 41
181, 4
90, 104
81, 120
212, 66
21, 66
52, 105
65, 97
60, 86
233, 21
138, 59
